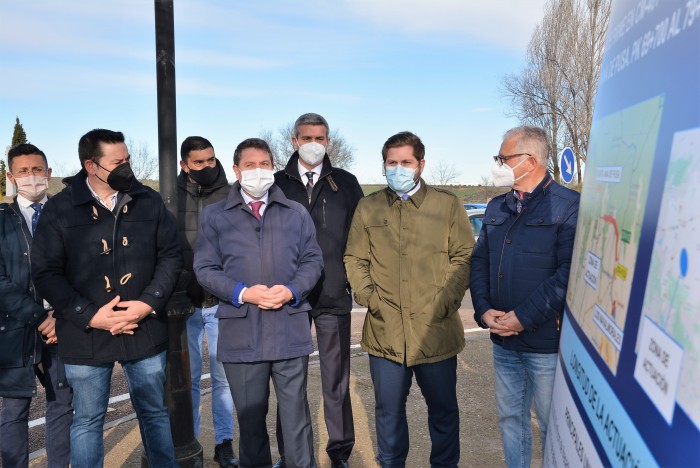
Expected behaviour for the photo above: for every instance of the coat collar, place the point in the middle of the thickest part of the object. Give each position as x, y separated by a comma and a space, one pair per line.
197, 190
529, 197
235, 199
80, 192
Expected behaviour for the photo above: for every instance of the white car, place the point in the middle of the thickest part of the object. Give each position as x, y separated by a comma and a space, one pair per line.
476, 218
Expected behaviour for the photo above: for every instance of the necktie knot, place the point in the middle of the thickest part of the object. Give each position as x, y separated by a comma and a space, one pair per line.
255, 206
35, 217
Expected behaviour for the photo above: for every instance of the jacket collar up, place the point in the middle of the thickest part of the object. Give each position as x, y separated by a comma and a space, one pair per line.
292, 167
529, 197
81, 195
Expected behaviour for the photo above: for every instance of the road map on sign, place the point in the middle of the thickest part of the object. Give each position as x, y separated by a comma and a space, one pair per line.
620, 157
672, 298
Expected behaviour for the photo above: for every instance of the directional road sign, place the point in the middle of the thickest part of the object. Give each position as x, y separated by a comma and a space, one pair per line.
567, 165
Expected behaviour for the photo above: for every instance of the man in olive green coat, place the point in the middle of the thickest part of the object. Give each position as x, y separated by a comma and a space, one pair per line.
407, 260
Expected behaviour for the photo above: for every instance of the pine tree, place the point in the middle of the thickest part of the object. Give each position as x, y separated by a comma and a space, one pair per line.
3, 176
18, 136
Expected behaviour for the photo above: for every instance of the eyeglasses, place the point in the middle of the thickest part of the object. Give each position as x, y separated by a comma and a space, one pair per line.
502, 159
25, 171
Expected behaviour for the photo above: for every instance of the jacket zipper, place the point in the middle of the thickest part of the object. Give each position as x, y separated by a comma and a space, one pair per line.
503, 247
324, 212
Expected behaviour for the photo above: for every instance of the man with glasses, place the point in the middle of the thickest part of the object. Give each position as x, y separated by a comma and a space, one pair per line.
202, 181
519, 276
107, 257
27, 326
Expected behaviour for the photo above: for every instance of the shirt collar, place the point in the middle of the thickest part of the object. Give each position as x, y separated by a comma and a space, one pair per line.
411, 192
24, 203
112, 198
247, 198
303, 170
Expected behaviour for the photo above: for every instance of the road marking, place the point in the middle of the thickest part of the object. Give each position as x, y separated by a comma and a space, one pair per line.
126, 396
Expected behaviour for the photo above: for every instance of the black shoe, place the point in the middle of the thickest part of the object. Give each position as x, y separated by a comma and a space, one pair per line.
279, 463
223, 453
339, 464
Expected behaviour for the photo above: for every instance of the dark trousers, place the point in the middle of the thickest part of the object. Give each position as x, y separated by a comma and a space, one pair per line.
14, 420
250, 388
333, 338
438, 384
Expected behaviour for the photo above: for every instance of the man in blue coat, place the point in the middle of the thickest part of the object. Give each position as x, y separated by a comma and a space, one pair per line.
27, 326
519, 276
257, 252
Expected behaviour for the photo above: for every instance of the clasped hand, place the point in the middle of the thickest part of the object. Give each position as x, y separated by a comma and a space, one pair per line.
125, 320
268, 298
502, 323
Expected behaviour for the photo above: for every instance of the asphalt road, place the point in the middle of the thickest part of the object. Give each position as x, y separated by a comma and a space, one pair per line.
480, 440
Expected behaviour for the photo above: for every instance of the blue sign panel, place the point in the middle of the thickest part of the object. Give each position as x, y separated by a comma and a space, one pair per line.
628, 389
567, 164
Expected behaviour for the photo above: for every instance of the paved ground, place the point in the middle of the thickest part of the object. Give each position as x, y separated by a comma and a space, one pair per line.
480, 440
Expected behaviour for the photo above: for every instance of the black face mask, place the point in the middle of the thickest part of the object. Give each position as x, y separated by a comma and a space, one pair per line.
120, 178
207, 176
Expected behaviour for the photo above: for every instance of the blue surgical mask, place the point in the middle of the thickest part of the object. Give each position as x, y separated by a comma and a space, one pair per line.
400, 179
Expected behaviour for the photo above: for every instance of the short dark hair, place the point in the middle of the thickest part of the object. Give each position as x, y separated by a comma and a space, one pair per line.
89, 148
193, 143
310, 119
250, 143
24, 149
405, 139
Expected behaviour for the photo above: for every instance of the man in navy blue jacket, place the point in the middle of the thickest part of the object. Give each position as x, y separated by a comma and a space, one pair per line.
257, 252
519, 276
27, 325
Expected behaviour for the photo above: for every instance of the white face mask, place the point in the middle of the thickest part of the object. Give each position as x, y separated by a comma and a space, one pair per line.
504, 176
257, 181
312, 153
32, 187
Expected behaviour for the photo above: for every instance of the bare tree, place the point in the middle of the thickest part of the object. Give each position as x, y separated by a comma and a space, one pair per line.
443, 173
557, 88
144, 165
341, 153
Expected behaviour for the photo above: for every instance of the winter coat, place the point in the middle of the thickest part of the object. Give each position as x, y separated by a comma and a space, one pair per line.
408, 263
235, 249
521, 262
85, 255
21, 307
333, 202
191, 199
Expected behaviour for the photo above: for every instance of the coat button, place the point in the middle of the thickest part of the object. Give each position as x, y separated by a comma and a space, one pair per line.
78, 309
501, 276
540, 221
493, 220
157, 293
508, 241
2, 328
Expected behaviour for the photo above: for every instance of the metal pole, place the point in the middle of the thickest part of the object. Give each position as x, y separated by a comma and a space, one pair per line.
178, 383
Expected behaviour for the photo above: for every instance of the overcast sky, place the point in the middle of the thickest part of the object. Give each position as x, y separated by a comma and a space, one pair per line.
372, 68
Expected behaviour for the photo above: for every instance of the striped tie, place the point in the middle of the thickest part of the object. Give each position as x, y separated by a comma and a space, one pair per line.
35, 216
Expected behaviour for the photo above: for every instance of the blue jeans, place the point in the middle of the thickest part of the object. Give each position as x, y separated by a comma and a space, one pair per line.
91, 384
202, 321
520, 378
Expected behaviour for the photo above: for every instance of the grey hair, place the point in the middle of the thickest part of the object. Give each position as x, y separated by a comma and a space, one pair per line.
310, 119
532, 140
